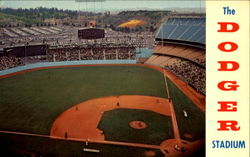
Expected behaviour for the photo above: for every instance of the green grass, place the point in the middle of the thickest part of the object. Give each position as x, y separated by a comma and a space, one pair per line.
30, 102
194, 124
115, 125
62, 148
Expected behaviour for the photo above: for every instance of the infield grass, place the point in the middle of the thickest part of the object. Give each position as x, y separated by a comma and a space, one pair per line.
158, 126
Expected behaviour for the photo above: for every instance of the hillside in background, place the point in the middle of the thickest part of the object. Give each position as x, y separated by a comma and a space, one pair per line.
44, 16
8, 19
52, 16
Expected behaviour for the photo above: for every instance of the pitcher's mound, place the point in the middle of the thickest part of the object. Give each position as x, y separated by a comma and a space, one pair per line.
138, 125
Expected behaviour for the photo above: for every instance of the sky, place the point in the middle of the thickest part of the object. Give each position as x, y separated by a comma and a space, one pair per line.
108, 5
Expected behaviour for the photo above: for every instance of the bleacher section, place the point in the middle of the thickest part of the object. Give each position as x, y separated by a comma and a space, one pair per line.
23, 31
94, 52
162, 60
188, 71
192, 74
184, 61
181, 50
183, 29
193, 54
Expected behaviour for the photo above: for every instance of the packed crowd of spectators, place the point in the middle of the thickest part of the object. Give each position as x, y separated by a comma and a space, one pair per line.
201, 61
64, 45
9, 62
68, 35
73, 52
91, 52
191, 73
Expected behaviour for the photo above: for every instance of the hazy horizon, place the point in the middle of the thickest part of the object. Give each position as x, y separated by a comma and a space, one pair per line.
105, 5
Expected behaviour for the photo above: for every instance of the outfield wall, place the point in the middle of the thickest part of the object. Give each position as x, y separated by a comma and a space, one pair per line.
48, 64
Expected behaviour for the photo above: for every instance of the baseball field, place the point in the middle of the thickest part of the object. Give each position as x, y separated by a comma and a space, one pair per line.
94, 110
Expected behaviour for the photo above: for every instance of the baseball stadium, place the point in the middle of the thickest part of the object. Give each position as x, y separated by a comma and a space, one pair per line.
111, 97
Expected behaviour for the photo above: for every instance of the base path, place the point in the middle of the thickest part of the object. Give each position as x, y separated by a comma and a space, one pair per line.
197, 98
81, 121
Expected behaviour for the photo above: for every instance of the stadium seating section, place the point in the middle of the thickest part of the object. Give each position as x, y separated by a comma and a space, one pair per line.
73, 53
191, 72
183, 29
9, 62
94, 52
181, 49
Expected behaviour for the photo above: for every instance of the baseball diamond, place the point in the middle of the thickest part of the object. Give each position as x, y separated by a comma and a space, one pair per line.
97, 103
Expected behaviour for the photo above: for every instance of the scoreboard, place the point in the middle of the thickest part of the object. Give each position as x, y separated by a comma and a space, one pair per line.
91, 33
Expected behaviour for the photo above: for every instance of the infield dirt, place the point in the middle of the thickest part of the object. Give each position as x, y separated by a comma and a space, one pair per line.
81, 121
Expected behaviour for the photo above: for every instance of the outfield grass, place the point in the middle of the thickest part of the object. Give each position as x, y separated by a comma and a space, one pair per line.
30, 102
194, 124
